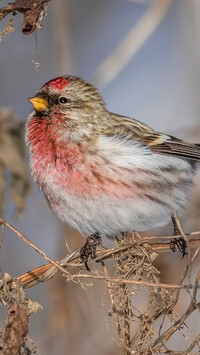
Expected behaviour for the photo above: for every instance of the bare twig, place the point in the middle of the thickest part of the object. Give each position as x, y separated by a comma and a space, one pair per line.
187, 243
178, 324
115, 315
134, 270
45, 272
27, 241
192, 345
9, 28
2, 234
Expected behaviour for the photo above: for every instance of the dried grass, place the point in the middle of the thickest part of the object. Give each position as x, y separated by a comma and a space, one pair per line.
134, 277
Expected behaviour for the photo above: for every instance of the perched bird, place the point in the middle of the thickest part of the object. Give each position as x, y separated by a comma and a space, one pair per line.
103, 173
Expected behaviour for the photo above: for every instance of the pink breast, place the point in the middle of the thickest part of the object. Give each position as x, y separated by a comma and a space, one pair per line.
69, 165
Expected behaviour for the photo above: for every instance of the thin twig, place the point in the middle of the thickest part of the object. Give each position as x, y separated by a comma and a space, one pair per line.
188, 246
133, 260
177, 325
115, 315
2, 234
192, 345
127, 327
32, 245
45, 272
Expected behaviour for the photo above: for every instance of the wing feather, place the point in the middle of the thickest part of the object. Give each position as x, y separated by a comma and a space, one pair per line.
158, 142
177, 147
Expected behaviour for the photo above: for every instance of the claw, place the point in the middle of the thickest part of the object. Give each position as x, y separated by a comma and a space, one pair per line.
180, 243
89, 249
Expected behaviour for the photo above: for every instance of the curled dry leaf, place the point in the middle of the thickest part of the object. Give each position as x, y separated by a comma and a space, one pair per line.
14, 338
33, 306
16, 329
33, 11
12, 161
9, 28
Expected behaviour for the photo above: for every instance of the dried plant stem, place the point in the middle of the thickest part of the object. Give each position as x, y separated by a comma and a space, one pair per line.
192, 345
193, 305
187, 243
127, 327
124, 339
27, 241
47, 271
9, 28
2, 234
134, 274
115, 315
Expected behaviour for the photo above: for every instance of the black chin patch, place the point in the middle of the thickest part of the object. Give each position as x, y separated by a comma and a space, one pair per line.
41, 114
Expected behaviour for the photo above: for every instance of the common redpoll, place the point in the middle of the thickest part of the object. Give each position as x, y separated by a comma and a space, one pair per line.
102, 172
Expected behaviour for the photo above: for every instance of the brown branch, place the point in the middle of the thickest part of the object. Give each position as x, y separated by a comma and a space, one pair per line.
44, 273
188, 246
192, 345
47, 271
27, 241
160, 341
127, 319
115, 315
133, 260
164, 310
193, 305
173, 352
33, 11
2, 234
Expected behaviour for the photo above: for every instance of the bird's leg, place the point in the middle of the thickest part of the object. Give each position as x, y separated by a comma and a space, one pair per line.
179, 242
89, 248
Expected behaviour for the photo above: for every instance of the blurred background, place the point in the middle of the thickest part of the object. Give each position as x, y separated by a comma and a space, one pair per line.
144, 57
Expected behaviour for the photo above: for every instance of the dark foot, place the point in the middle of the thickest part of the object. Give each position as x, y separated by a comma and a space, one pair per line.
180, 244
89, 248
177, 242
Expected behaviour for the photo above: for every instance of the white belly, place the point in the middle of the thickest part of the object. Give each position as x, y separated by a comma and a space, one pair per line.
113, 216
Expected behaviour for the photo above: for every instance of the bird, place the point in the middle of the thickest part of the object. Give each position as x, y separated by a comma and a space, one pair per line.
103, 173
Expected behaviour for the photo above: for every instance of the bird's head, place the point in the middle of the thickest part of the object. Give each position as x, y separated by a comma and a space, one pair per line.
73, 106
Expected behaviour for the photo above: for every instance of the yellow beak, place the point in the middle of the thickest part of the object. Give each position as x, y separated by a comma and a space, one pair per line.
39, 103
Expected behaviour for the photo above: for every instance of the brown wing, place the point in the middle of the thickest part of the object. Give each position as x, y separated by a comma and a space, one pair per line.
157, 142
178, 147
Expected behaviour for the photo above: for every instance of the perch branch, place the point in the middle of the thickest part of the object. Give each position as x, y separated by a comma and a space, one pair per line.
27, 241
45, 272
133, 257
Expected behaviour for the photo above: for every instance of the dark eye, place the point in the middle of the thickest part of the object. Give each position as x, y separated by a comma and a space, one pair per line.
63, 100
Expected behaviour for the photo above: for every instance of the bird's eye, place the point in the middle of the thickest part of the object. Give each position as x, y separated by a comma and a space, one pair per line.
63, 100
